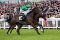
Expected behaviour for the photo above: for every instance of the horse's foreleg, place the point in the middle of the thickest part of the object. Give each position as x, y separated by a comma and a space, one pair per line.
42, 29
35, 29
19, 27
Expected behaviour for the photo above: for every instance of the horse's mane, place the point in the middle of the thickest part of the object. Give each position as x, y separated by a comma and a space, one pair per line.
32, 10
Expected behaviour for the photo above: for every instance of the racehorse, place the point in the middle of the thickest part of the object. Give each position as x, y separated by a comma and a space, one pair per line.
31, 18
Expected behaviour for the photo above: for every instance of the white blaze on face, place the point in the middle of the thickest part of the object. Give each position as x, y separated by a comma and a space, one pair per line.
42, 13
20, 17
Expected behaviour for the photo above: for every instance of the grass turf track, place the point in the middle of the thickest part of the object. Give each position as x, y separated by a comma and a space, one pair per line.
30, 34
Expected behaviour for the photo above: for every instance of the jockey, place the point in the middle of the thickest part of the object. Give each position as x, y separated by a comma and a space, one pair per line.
25, 9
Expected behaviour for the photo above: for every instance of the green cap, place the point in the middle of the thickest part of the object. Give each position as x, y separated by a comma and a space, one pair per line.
24, 8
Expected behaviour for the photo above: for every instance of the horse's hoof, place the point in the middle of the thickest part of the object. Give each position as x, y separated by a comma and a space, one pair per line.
42, 30
18, 33
7, 33
38, 33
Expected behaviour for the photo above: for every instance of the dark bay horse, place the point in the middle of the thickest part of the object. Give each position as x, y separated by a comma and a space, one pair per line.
31, 18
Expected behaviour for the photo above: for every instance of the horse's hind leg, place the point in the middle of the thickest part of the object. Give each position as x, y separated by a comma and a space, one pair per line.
9, 29
12, 28
19, 27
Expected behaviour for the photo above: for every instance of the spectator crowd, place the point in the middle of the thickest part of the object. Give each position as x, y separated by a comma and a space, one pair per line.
48, 7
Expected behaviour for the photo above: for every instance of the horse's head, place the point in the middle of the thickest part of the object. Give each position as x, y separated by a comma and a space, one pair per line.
38, 12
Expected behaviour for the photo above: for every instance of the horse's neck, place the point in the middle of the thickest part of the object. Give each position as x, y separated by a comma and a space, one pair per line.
30, 13
33, 13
